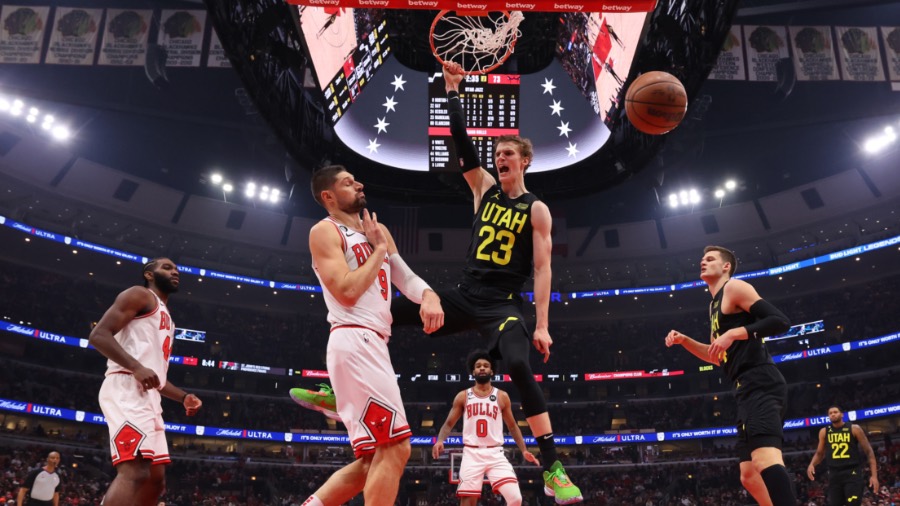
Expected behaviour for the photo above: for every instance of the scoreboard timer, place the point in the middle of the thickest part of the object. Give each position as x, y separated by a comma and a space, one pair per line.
491, 104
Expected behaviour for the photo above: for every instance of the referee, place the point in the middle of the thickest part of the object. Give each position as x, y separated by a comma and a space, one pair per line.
43, 484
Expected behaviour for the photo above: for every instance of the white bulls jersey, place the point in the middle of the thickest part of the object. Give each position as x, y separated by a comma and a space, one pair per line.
147, 338
373, 309
483, 419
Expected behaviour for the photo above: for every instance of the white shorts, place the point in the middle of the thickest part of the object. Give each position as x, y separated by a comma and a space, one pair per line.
366, 389
476, 462
135, 420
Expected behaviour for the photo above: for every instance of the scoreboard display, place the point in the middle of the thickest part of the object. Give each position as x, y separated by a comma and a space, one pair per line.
491, 104
356, 72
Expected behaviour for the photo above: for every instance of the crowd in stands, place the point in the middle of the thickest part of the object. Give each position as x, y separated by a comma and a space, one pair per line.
234, 482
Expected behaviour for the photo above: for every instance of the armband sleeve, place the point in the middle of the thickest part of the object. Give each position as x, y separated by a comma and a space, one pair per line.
406, 280
465, 149
770, 321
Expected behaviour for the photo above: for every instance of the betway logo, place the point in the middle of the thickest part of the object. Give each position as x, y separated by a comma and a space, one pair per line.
229, 432
520, 6
421, 3
569, 7
46, 410
474, 7
49, 336
258, 434
13, 406
614, 8
324, 2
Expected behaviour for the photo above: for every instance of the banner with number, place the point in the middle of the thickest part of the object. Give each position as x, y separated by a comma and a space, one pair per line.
216, 57
891, 37
181, 33
814, 53
765, 46
859, 53
730, 64
74, 37
22, 33
125, 37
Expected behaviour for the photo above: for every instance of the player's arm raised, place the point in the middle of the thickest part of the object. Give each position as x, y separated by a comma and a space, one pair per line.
459, 404
817, 457
870, 455
128, 304
514, 431
479, 180
414, 287
696, 348
327, 252
542, 225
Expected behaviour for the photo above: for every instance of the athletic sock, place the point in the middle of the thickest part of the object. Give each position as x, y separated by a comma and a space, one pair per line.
778, 482
548, 450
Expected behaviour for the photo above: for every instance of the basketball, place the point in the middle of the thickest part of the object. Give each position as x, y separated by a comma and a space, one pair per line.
655, 102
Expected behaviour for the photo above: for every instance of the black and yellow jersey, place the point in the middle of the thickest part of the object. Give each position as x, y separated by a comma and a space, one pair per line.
742, 355
841, 448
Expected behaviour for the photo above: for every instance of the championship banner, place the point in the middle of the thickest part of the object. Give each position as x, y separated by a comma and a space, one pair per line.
216, 58
891, 37
74, 37
489, 5
22, 33
181, 33
730, 63
125, 37
765, 46
813, 53
859, 53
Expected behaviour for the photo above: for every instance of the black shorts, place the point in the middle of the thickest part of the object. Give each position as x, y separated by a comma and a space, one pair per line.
761, 402
845, 487
491, 311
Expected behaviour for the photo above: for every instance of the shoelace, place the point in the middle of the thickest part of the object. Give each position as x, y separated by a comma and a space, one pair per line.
324, 388
560, 476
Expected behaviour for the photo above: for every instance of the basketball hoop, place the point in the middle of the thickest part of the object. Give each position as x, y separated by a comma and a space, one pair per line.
478, 42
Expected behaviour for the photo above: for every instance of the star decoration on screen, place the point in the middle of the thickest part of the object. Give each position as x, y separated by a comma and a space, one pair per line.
398, 82
572, 149
548, 86
389, 105
557, 108
373, 146
382, 125
564, 128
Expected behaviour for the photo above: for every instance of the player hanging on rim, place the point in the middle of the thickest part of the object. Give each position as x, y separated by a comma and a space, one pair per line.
839, 444
485, 409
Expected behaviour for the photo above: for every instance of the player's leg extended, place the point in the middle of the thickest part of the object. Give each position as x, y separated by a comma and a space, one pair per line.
514, 345
503, 480
343, 485
753, 482
384, 473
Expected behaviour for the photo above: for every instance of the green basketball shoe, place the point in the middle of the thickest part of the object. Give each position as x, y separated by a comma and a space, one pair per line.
322, 401
557, 484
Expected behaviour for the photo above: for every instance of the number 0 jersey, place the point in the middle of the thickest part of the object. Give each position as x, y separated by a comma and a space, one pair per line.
147, 338
373, 309
842, 450
483, 419
501, 253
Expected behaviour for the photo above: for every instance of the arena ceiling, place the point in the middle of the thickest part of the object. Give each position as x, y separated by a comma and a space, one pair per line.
176, 132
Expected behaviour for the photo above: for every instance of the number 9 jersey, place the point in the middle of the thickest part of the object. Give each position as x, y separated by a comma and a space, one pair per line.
501, 253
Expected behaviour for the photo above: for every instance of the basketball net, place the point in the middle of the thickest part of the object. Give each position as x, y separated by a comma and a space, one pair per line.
478, 43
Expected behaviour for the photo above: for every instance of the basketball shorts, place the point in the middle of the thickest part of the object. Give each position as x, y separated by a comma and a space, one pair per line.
477, 462
134, 417
366, 389
845, 487
761, 402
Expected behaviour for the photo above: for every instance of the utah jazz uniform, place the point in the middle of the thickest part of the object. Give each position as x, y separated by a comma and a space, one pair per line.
845, 480
761, 390
499, 262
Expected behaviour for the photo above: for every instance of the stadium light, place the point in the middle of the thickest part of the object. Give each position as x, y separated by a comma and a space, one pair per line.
694, 196
683, 197
60, 132
879, 142
216, 178
227, 188
673, 200
4, 104
720, 193
730, 185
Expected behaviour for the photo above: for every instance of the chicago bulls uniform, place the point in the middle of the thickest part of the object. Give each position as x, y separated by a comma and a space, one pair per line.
134, 416
359, 365
483, 440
